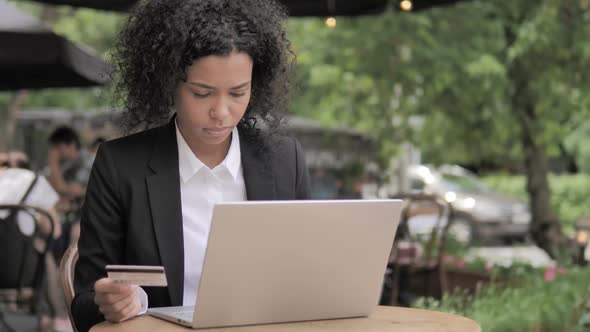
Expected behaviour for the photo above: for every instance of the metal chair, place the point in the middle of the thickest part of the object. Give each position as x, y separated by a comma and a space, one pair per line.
66, 272
409, 269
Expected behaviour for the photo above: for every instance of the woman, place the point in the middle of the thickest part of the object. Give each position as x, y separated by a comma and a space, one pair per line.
221, 67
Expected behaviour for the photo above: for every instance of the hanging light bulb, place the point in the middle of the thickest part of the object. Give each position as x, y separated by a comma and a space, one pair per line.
406, 5
331, 22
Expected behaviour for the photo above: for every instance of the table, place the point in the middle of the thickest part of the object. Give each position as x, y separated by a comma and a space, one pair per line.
395, 319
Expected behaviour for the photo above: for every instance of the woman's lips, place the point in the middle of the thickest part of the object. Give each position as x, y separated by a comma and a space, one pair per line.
217, 132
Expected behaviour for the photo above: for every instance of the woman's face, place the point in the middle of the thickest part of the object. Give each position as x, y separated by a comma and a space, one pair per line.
213, 99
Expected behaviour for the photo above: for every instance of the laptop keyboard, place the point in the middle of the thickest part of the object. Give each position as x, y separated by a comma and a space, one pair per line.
185, 313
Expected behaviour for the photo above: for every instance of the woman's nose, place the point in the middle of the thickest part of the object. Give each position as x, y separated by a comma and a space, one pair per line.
220, 109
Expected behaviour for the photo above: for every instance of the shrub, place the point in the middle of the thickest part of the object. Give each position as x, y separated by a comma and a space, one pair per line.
535, 305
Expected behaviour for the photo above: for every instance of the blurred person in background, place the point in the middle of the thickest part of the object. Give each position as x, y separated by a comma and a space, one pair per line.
21, 185
64, 161
14, 159
68, 172
18, 159
4, 159
324, 185
87, 159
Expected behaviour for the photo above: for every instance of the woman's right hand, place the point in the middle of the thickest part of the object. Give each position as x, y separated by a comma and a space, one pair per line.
117, 301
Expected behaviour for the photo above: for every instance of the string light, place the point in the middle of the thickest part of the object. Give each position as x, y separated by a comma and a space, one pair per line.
406, 5
331, 22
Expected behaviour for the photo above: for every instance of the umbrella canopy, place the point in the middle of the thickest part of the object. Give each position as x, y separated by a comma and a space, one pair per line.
295, 7
116, 5
32, 56
418, 5
334, 7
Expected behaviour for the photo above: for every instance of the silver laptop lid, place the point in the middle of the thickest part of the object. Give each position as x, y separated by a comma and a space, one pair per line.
295, 261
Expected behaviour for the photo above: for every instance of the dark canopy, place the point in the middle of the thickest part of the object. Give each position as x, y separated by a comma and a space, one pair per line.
295, 7
32, 56
116, 5
418, 5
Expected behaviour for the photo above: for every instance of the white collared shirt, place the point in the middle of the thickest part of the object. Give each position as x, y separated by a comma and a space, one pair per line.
200, 189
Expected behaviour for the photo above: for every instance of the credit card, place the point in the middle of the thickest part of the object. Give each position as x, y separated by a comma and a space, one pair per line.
141, 275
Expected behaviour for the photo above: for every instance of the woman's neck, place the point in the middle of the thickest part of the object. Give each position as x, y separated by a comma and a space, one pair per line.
211, 155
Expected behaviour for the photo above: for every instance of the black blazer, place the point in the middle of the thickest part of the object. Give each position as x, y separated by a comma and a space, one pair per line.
132, 211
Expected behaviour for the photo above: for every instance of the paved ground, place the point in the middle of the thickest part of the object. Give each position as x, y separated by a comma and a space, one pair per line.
507, 255
19, 323
29, 323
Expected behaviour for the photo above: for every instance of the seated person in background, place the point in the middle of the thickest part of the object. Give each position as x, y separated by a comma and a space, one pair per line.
18, 159
14, 159
68, 174
15, 181
64, 161
87, 159
4, 163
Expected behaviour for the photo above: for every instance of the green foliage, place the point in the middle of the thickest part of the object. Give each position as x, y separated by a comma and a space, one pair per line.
95, 29
76, 99
570, 194
440, 78
437, 78
577, 142
533, 305
513, 185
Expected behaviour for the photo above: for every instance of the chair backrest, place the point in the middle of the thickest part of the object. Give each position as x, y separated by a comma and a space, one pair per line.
66, 271
23, 266
437, 207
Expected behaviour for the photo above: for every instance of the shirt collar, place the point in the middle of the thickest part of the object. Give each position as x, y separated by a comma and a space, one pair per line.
189, 164
233, 160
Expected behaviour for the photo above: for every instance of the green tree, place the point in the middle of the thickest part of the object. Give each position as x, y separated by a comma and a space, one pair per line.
480, 81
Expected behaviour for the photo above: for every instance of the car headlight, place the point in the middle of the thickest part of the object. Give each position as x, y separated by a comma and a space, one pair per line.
450, 197
466, 203
582, 237
480, 209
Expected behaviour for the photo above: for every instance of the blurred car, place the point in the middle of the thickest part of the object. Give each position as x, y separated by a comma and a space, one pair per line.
481, 214
583, 240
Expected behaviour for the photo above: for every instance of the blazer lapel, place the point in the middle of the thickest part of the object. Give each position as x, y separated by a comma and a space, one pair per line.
258, 175
165, 205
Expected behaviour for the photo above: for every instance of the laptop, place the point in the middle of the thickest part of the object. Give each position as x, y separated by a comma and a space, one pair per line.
290, 261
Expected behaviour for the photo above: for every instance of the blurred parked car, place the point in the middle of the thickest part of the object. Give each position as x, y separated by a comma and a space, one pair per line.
583, 240
480, 213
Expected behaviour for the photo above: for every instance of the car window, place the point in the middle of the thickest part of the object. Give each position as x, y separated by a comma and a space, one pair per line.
464, 184
416, 184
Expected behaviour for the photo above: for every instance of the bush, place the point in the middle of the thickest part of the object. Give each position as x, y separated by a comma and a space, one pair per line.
570, 194
537, 305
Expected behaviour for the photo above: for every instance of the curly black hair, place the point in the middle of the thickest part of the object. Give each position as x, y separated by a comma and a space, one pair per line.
161, 38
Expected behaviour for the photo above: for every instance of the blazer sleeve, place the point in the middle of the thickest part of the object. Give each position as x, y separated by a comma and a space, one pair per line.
303, 187
101, 238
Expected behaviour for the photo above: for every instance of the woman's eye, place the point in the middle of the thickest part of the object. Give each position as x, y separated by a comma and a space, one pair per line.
201, 95
238, 94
